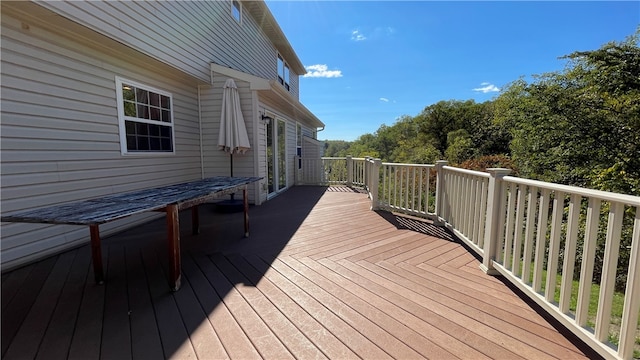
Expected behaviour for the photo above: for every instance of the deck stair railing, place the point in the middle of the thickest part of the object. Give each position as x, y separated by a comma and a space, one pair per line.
540, 236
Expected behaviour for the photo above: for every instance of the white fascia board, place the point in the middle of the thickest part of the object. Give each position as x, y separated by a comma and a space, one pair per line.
255, 82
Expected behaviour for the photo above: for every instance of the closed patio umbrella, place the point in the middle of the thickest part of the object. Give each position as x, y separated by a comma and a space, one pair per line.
233, 133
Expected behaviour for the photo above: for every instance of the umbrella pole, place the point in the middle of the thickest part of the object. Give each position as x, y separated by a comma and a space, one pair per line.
231, 158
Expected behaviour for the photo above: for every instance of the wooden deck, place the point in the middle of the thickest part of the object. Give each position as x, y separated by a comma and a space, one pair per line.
320, 277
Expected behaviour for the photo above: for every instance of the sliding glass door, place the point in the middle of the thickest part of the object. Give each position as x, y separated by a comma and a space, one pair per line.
276, 155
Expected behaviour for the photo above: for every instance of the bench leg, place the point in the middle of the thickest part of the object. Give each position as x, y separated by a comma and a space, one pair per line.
96, 253
195, 220
245, 200
173, 234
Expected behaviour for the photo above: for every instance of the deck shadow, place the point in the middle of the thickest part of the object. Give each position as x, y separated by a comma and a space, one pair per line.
423, 226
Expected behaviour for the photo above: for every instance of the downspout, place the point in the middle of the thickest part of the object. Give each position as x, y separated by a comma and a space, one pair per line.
200, 133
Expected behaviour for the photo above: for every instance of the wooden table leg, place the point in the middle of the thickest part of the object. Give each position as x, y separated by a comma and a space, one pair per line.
195, 220
96, 253
173, 232
245, 199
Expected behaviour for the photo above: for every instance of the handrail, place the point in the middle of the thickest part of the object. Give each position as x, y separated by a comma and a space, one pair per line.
603, 195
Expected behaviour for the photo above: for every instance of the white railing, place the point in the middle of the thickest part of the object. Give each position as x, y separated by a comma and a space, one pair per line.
535, 234
539, 229
407, 188
330, 171
462, 203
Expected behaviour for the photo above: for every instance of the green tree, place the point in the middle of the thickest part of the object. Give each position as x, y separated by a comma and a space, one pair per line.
336, 148
459, 146
579, 126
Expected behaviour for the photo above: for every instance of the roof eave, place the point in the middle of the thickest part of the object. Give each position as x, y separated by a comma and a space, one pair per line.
265, 20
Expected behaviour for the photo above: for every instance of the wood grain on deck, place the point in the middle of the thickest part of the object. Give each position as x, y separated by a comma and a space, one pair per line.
320, 277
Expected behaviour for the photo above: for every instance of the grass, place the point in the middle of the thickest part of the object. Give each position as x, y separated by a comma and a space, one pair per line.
616, 309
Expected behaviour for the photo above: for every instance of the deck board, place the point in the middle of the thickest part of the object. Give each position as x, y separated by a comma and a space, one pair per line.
320, 277
145, 338
32, 329
56, 341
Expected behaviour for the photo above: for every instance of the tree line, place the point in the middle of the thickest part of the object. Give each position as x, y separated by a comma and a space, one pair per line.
578, 126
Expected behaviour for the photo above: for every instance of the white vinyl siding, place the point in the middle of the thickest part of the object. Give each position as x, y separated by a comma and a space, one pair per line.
60, 139
187, 35
312, 148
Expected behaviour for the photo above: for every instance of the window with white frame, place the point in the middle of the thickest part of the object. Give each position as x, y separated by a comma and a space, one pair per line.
145, 115
236, 10
283, 72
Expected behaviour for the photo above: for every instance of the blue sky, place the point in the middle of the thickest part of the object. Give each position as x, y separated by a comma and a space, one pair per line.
374, 61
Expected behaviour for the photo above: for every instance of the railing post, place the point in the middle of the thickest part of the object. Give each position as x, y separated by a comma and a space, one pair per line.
439, 187
495, 209
368, 163
349, 170
374, 179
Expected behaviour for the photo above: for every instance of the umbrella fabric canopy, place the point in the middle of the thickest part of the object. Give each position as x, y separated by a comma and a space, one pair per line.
233, 133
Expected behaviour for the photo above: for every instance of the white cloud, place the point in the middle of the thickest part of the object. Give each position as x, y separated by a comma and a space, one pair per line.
384, 99
356, 35
321, 71
487, 88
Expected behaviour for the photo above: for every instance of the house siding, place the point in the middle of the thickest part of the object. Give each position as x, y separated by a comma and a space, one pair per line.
60, 139
187, 35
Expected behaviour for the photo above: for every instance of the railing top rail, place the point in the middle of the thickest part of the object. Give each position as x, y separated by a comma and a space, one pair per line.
409, 165
602, 195
468, 172
333, 158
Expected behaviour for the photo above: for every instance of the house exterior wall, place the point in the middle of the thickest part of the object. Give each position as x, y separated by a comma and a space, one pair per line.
312, 148
60, 139
187, 35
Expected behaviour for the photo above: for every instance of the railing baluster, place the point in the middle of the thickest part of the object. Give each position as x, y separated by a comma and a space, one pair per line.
458, 202
466, 205
483, 213
532, 203
569, 253
543, 221
588, 257
420, 201
554, 246
519, 230
405, 170
631, 306
383, 199
395, 186
413, 190
607, 282
427, 192
473, 210
501, 221
509, 231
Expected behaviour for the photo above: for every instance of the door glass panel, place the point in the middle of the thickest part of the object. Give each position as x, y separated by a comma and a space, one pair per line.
270, 155
282, 155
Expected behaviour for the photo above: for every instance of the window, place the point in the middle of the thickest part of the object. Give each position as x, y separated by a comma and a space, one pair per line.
283, 73
236, 10
146, 118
